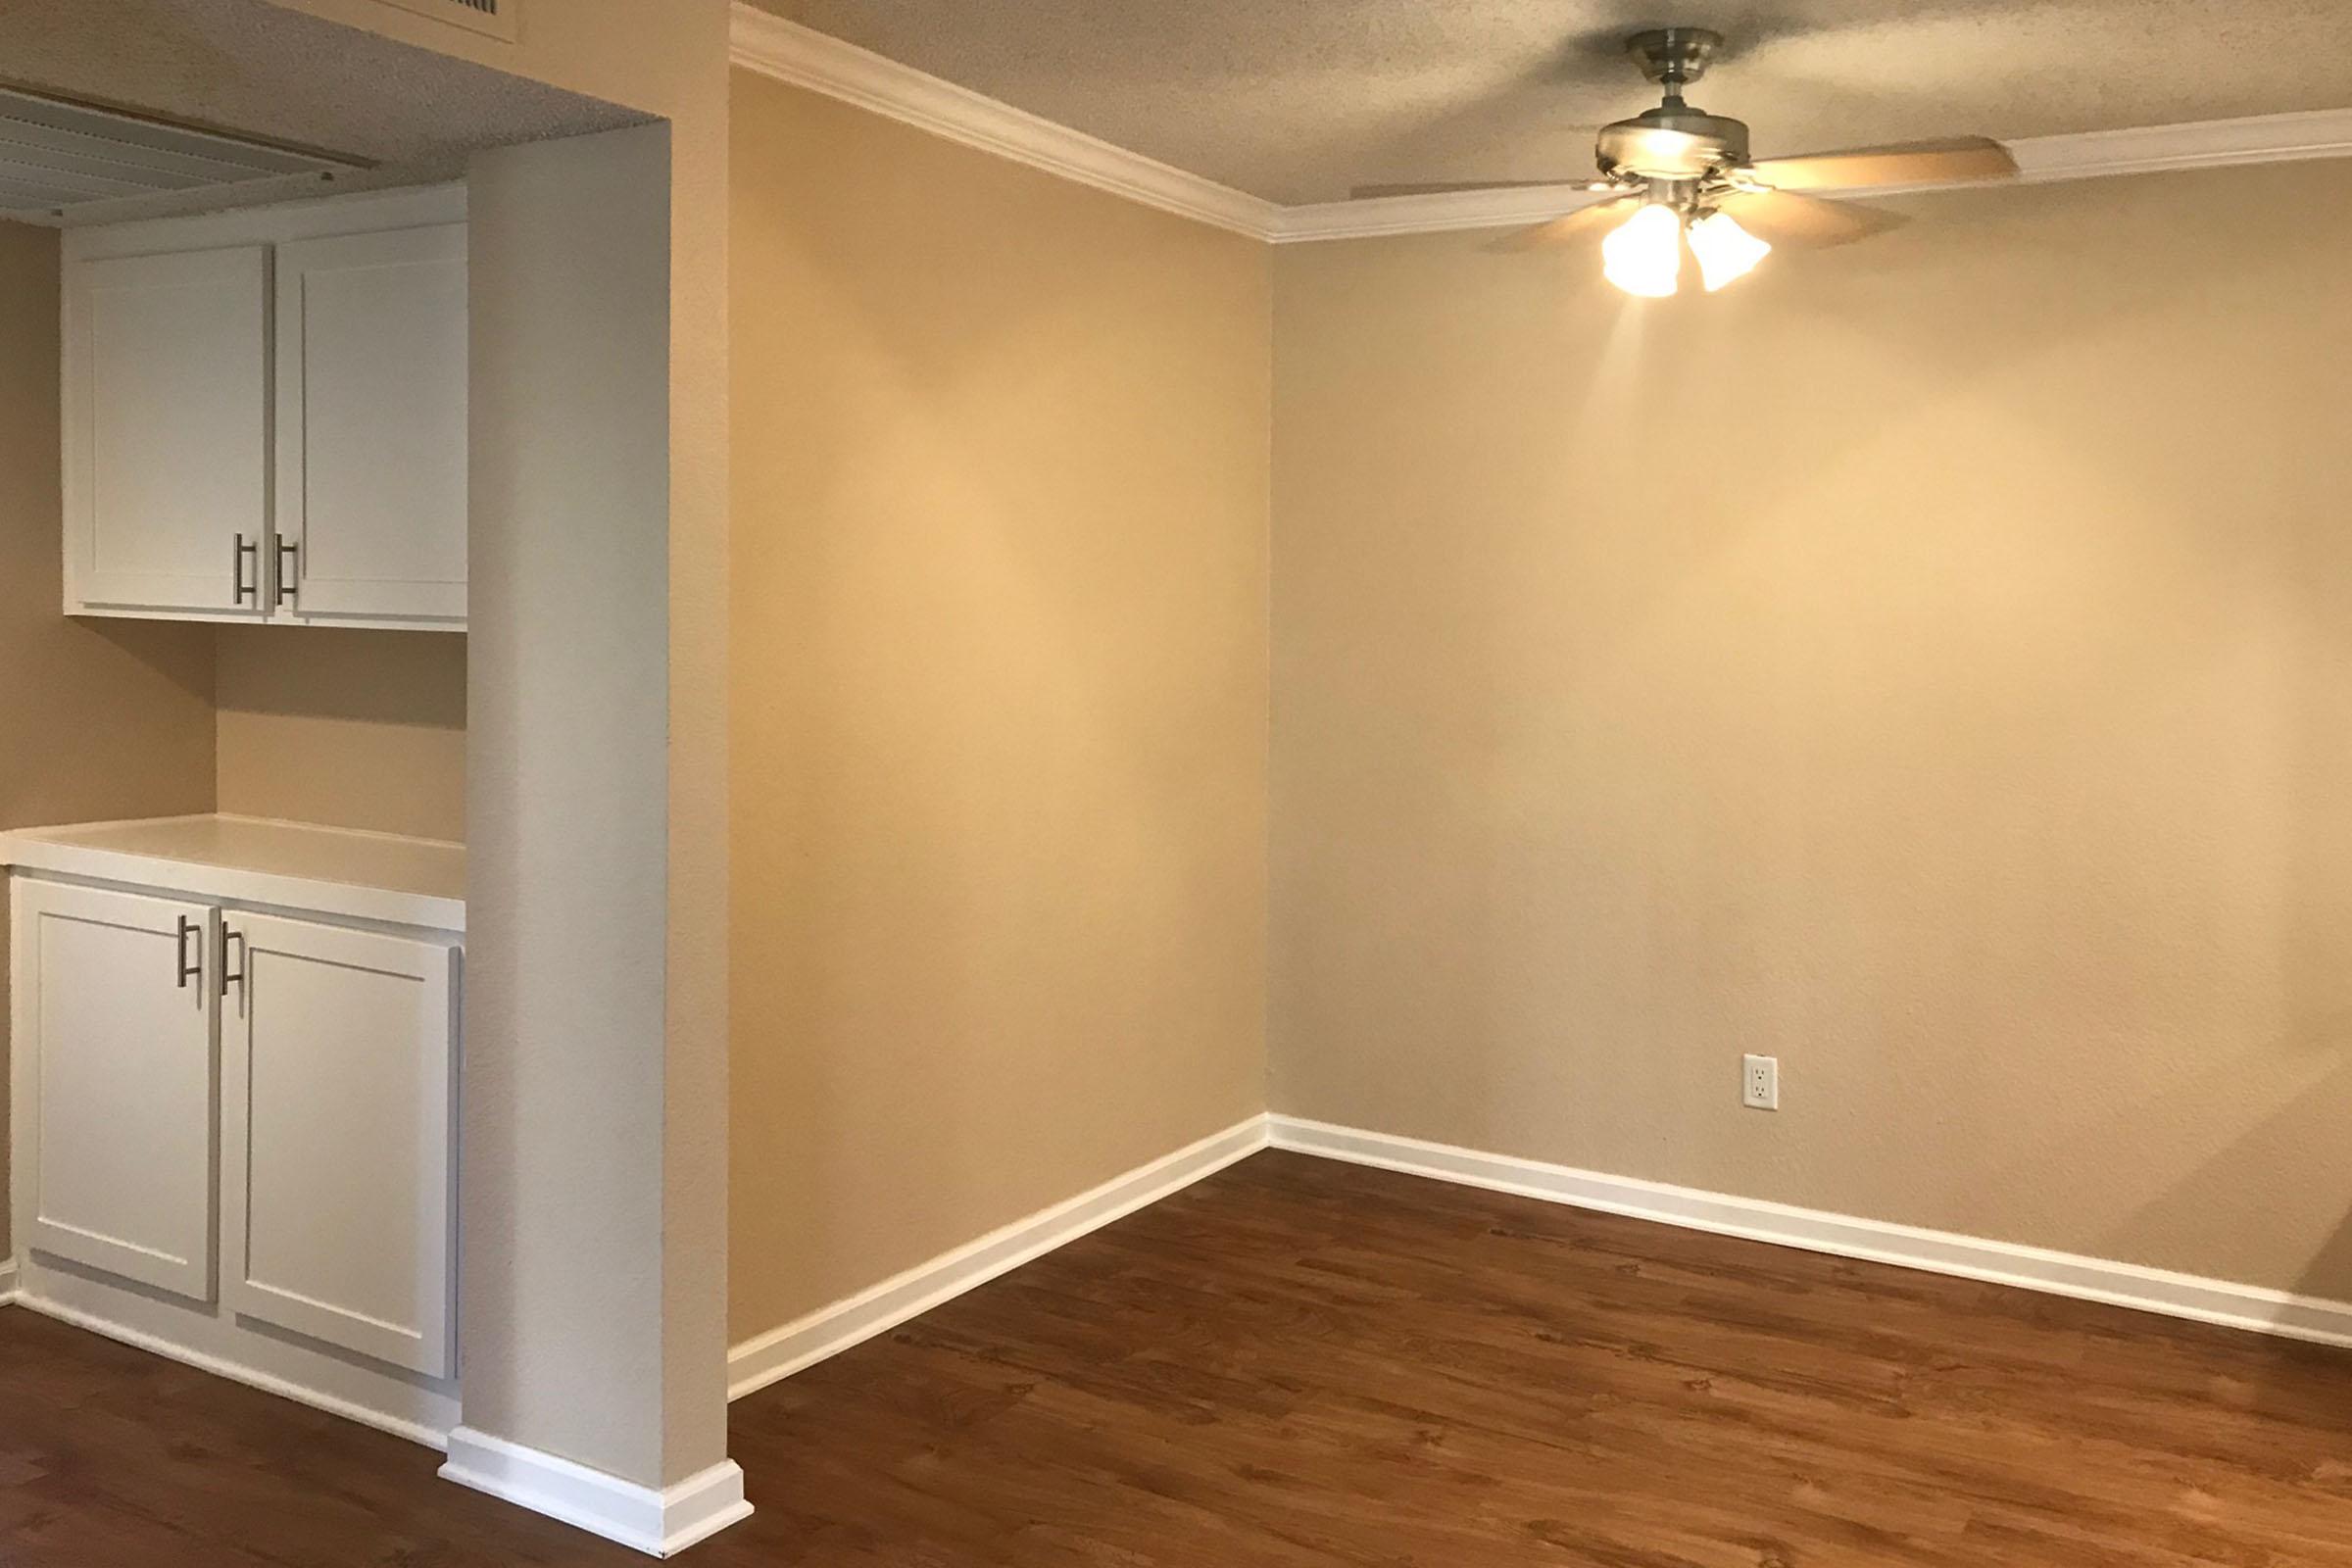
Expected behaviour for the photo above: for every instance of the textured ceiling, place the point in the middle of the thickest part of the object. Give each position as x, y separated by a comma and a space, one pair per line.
256, 69
1298, 100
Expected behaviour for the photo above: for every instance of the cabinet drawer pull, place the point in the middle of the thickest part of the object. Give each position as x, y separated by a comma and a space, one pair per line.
188, 971
289, 558
237, 570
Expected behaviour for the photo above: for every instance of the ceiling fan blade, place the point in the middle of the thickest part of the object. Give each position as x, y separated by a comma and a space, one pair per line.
1955, 160
1444, 187
1569, 226
1806, 222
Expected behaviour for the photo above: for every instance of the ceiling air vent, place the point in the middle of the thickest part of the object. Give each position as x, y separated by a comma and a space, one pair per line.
57, 155
497, 18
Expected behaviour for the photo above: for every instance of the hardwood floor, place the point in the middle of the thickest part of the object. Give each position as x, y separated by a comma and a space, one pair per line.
1298, 1362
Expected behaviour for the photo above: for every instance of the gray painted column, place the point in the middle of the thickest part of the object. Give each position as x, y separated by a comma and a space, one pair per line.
592, 1320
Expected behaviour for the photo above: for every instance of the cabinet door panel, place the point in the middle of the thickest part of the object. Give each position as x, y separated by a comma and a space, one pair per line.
166, 432
337, 1075
371, 382
115, 1053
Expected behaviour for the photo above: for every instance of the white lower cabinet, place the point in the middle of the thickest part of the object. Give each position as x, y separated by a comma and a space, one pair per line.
115, 1024
254, 1112
336, 1066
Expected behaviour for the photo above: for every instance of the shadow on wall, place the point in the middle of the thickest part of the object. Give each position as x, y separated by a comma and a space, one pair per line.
363, 729
141, 752
2242, 1115
2296, 1381
412, 679
164, 648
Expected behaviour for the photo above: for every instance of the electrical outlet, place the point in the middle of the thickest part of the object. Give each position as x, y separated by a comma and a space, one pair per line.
1760, 1082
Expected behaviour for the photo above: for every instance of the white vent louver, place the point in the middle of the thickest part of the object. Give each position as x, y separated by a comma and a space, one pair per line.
56, 156
497, 18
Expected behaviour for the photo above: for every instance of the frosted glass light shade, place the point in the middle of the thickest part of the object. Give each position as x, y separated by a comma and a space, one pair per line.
1644, 253
1726, 252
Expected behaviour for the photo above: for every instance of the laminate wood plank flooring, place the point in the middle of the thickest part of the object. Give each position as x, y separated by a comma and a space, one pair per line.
1298, 1362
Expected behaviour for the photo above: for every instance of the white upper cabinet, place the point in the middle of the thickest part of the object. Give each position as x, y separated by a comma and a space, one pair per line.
372, 426
265, 415
166, 444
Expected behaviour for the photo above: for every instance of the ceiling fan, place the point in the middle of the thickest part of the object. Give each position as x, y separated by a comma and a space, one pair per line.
1677, 175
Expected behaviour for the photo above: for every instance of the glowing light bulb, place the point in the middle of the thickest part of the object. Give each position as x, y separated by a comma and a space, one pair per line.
1646, 252
1726, 252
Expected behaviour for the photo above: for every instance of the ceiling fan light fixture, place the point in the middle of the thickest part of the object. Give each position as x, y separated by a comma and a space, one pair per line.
1726, 252
1644, 255
1677, 168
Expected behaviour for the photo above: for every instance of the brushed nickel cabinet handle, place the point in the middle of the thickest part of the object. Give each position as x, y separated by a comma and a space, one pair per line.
188, 971
234, 977
237, 570
289, 558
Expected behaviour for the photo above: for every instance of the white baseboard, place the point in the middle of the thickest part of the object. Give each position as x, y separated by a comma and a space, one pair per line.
8, 1281
830, 1330
2034, 1268
660, 1523
757, 1363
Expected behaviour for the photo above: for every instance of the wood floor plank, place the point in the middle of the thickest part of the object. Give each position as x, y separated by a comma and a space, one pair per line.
1296, 1365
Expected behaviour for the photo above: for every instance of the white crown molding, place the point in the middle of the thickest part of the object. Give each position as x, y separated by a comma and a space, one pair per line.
790, 52
766, 43
830, 1330
658, 1522
2198, 144
2034, 1268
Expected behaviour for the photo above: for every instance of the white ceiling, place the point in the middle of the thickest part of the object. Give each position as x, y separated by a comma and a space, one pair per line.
1298, 100
259, 69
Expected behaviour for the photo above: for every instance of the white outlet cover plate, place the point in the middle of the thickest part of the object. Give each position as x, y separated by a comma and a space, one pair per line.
1760, 1082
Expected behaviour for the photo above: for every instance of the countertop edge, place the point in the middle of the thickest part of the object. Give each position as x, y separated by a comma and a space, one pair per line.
30, 851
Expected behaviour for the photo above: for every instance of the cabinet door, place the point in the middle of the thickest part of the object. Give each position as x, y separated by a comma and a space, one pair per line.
166, 432
371, 427
336, 1195
114, 1045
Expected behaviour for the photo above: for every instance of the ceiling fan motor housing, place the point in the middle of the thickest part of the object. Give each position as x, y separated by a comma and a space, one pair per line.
1672, 141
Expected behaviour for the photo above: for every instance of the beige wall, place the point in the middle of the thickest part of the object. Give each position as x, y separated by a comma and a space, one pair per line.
1930, 663
98, 718
999, 684
361, 729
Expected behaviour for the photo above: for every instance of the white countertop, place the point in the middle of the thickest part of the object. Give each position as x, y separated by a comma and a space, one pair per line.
364, 876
